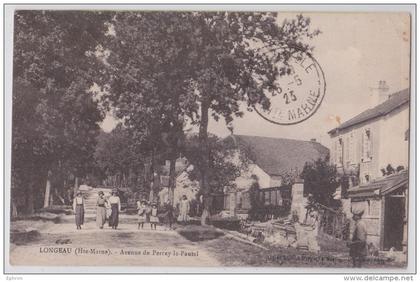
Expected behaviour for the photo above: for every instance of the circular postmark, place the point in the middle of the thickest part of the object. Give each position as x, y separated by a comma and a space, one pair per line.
299, 93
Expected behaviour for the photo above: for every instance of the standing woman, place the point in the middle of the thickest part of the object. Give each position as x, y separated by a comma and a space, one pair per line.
100, 210
115, 203
79, 209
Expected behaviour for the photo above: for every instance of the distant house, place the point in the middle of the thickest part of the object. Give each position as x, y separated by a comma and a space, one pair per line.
273, 160
372, 150
183, 184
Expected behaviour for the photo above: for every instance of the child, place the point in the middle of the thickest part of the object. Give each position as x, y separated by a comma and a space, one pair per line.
153, 216
142, 210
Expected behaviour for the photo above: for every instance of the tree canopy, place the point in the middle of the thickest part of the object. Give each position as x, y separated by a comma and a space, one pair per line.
178, 67
320, 181
55, 114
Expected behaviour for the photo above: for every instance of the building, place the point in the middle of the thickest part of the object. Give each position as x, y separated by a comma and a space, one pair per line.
183, 184
273, 162
372, 149
384, 201
363, 145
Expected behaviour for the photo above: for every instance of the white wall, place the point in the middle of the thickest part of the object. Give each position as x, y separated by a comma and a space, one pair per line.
184, 186
388, 144
244, 181
393, 146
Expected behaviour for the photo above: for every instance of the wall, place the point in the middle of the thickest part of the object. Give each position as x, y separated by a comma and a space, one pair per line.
371, 217
388, 145
299, 202
184, 186
275, 181
244, 181
393, 143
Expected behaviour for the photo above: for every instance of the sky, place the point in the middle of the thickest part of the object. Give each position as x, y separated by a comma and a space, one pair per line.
355, 51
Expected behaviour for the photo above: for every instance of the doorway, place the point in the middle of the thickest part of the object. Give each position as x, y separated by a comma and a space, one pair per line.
394, 222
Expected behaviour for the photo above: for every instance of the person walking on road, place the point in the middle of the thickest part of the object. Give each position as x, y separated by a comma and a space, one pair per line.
79, 209
357, 245
115, 203
142, 212
168, 213
184, 209
101, 210
154, 219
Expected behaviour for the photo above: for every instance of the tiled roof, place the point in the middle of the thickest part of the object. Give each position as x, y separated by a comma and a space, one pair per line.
381, 186
278, 155
395, 100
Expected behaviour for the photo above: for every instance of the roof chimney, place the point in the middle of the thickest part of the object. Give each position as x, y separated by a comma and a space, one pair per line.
379, 94
313, 140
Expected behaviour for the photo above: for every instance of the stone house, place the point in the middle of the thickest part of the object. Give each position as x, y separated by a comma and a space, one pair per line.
362, 149
273, 162
363, 145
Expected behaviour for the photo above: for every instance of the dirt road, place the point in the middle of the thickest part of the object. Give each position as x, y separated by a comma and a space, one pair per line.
62, 244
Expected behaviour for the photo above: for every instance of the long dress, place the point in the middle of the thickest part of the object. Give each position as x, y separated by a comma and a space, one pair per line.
153, 215
142, 210
115, 203
79, 210
100, 212
184, 208
167, 214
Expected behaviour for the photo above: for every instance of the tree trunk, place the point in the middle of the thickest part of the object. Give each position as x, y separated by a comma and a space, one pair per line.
172, 180
204, 169
47, 190
13, 210
76, 185
30, 198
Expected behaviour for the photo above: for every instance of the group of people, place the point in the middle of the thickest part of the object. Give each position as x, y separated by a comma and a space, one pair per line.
147, 212
102, 204
151, 213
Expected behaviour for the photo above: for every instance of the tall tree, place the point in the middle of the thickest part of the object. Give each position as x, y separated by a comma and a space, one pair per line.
199, 65
239, 59
54, 58
118, 157
147, 81
321, 180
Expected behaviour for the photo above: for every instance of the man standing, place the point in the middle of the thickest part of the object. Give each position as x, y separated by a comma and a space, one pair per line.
357, 245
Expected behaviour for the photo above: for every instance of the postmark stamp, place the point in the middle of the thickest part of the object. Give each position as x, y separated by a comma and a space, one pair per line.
300, 93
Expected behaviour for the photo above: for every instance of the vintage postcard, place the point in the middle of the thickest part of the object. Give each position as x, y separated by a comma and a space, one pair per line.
209, 138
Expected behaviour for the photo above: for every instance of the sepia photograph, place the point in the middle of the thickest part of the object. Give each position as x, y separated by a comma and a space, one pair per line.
209, 138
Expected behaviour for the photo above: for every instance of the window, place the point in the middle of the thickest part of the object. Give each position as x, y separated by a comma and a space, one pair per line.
347, 150
266, 198
239, 200
273, 197
340, 151
352, 146
367, 145
279, 198
261, 195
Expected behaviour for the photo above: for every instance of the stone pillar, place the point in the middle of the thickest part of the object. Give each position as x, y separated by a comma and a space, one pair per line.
405, 229
298, 201
232, 203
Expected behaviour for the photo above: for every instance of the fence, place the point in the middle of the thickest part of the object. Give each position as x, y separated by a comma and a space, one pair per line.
269, 203
333, 223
